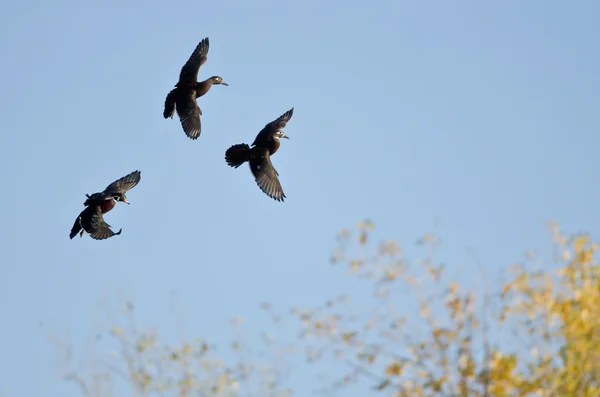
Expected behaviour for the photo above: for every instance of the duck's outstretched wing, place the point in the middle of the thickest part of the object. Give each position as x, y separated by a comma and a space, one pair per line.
189, 71
266, 175
273, 126
92, 222
123, 184
281, 121
189, 115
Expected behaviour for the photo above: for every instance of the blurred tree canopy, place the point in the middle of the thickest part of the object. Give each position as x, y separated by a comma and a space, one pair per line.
420, 332
141, 364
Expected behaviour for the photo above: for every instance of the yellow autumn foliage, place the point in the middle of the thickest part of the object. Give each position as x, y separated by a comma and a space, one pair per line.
142, 365
534, 333
537, 334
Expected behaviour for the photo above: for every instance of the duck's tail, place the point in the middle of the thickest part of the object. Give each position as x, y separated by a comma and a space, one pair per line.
237, 155
169, 105
75, 229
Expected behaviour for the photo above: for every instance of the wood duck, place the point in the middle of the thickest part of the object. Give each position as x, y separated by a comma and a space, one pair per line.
259, 156
90, 220
188, 89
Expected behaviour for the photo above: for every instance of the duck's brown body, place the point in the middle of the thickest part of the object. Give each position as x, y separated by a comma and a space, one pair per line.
107, 205
182, 99
203, 87
259, 155
267, 142
91, 219
183, 91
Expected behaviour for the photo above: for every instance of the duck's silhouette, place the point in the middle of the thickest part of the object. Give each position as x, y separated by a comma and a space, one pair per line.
183, 97
91, 219
259, 156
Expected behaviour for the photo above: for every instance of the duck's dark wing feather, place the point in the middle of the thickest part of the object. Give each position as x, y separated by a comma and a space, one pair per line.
76, 226
281, 121
189, 71
266, 175
273, 126
189, 115
92, 222
124, 184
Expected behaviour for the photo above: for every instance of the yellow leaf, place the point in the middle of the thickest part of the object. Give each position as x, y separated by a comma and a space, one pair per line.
116, 330
348, 336
394, 368
453, 287
363, 238
146, 379
390, 275
580, 242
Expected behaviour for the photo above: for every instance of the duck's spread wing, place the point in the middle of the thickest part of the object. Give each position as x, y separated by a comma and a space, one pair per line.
281, 121
273, 126
266, 175
76, 226
92, 222
124, 184
189, 115
189, 71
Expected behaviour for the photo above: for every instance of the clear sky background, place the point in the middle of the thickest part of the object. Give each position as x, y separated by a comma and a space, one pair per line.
482, 115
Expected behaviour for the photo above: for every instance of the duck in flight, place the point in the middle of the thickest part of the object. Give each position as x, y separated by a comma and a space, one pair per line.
183, 97
259, 156
91, 219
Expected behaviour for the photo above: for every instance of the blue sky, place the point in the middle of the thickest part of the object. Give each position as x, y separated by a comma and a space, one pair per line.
480, 115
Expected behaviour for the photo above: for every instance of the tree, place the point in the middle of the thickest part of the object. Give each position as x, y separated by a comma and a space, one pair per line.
420, 332
538, 334
146, 366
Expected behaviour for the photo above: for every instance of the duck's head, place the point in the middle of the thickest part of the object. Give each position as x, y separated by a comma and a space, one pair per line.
280, 134
120, 197
218, 80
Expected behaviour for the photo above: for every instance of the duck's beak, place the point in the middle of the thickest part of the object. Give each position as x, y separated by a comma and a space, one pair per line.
285, 136
224, 83
125, 200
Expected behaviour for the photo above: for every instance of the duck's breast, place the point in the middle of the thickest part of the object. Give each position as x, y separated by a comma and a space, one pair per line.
107, 205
